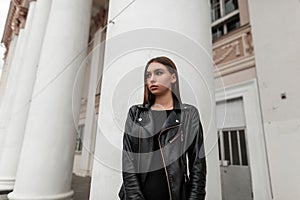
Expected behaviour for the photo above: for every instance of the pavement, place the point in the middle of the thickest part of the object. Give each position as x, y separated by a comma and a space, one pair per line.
80, 186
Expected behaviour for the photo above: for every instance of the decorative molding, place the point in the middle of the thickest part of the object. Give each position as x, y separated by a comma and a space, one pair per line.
98, 20
19, 19
227, 50
15, 20
7, 34
234, 52
235, 67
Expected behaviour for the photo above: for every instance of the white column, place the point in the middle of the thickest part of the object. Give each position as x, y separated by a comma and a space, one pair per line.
6, 67
90, 121
143, 30
45, 167
10, 85
4, 80
23, 91
6, 181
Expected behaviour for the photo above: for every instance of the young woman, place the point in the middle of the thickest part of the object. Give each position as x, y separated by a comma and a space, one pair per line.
163, 152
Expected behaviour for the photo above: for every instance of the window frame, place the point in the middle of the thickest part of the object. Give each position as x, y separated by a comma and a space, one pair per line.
79, 138
224, 19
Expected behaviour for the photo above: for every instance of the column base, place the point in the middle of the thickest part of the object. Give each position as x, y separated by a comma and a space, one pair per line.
63, 196
3, 194
7, 184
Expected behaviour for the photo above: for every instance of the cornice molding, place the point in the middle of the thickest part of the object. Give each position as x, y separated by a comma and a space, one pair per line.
19, 19
15, 20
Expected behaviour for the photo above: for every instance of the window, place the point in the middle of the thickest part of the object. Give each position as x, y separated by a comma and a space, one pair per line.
232, 147
79, 138
225, 17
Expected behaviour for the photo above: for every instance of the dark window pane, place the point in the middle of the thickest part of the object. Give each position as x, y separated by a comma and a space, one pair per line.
235, 148
215, 10
230, 5
233, 23
217, 32
243, 148
219, 143
226, 145
79, 138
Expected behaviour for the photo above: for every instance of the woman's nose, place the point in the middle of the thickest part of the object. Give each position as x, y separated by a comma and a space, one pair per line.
152, 79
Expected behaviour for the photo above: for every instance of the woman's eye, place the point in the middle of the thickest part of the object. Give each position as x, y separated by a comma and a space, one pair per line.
159, 73
148, 75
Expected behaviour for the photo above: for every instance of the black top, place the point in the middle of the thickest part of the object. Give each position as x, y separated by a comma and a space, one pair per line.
156, 185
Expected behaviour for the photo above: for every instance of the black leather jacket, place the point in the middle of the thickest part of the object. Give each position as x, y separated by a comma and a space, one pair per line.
181, 150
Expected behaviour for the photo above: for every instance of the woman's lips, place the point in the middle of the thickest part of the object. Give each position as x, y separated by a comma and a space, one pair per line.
153, 87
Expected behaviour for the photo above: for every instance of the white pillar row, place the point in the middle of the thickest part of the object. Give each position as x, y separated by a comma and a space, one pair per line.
90, 120
45, 166
6, 180
141, 30
23, 92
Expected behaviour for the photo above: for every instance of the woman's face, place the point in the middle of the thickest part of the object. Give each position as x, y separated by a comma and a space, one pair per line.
159, 79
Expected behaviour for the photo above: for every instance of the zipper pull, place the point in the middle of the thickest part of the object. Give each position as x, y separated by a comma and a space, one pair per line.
181, 136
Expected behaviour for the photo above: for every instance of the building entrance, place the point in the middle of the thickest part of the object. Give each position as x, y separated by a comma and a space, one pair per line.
233, 151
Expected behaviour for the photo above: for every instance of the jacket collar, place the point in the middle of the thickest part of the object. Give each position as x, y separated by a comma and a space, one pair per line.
172, 120
177, 105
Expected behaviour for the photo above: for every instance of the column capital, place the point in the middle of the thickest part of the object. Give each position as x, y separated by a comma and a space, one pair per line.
19, 19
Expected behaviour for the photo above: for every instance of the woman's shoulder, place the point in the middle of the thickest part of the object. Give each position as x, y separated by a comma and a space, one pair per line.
136, 107
189, 107
193, 110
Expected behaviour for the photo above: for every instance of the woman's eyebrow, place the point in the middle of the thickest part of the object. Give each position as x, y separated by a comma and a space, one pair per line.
159, 69
155, 70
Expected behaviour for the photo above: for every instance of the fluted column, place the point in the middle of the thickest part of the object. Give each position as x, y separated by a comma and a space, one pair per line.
6, 180
139, 31
45, 167
23, 91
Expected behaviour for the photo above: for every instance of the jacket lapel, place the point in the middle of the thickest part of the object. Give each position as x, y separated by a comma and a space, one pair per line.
172, 120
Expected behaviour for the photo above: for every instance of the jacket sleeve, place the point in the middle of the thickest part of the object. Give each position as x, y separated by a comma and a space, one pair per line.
197, 162
129, 161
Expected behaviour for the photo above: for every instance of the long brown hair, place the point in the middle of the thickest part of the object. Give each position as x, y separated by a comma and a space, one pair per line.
149, 98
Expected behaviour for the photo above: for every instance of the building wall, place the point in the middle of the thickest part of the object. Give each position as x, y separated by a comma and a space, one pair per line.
235, 77
276, 28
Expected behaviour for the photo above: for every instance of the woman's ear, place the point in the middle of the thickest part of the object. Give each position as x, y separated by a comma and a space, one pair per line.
174, 79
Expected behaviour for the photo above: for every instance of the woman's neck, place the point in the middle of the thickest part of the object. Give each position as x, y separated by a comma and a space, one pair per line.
164, 102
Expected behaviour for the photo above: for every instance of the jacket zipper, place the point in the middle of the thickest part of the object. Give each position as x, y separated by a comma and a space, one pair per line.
163, 158
139, 149
171, 141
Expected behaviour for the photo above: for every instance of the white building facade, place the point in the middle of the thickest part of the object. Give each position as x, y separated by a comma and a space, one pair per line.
72, 70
